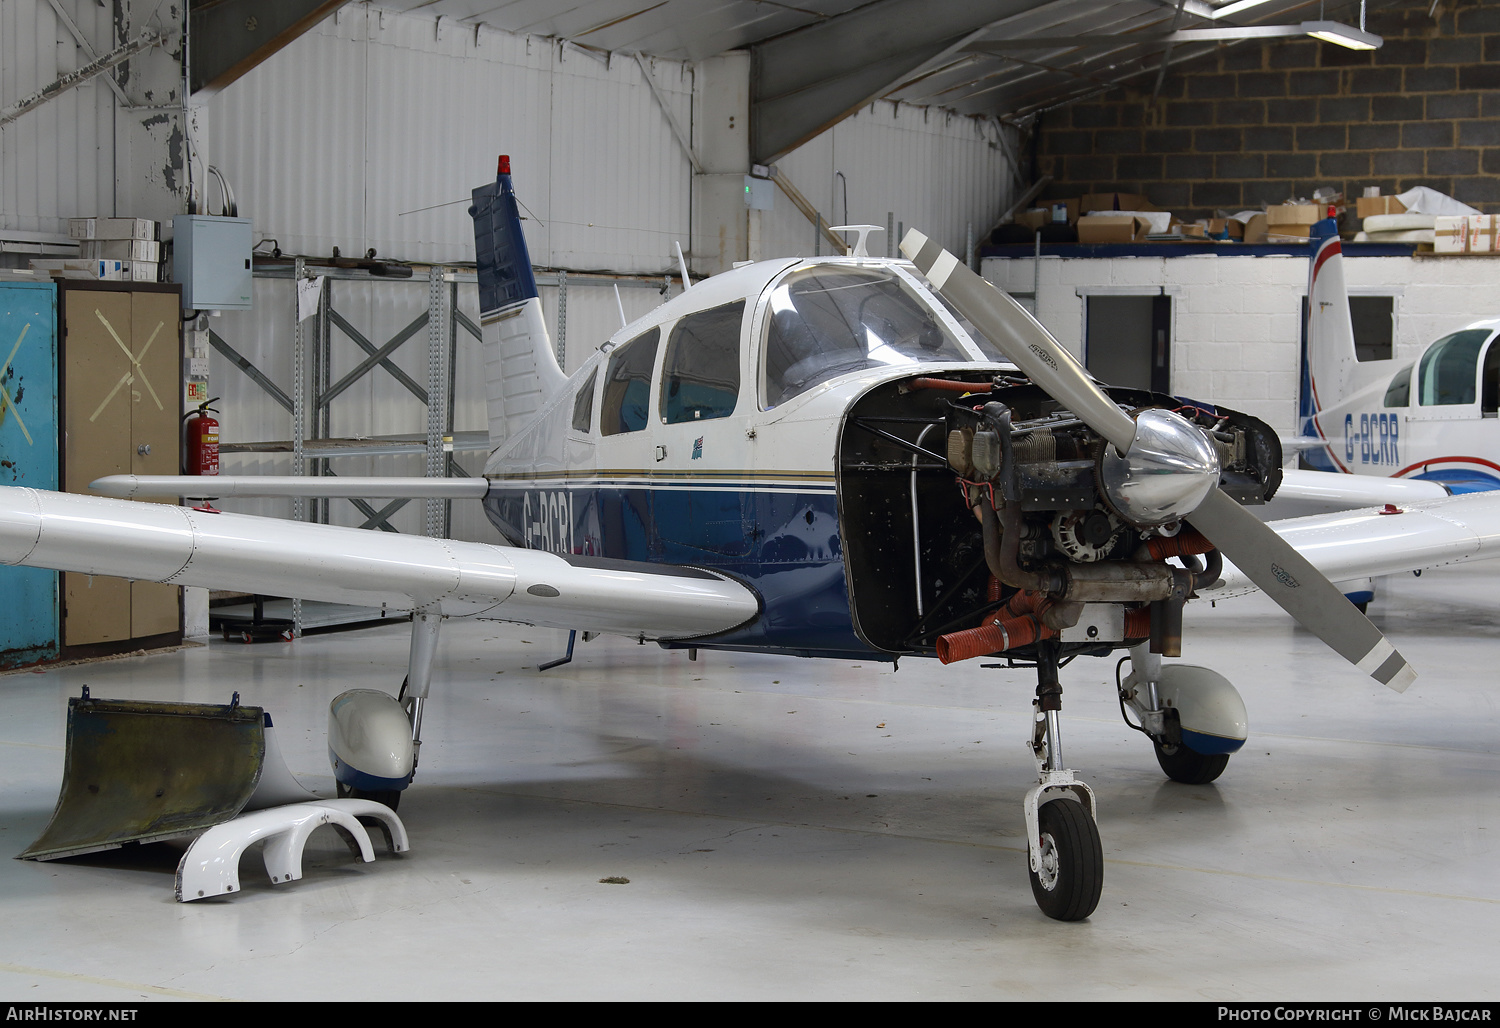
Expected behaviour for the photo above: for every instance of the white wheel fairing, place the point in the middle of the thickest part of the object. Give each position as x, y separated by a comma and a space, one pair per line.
369, 740
1209, 709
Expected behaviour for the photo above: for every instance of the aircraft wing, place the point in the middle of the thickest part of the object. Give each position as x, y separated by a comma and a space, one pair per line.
1367, 543
1345, 491
182, 546
1296, 443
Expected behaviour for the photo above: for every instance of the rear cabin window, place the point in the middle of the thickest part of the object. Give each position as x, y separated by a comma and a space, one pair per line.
1398, 393
701, 375
627, 385
1450, 368
583, 406
830, 320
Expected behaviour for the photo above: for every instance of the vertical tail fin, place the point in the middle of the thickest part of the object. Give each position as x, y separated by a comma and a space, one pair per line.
521, 371
1328, 358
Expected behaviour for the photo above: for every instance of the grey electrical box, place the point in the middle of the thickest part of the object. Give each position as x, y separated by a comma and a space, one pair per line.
760, 193
211, 258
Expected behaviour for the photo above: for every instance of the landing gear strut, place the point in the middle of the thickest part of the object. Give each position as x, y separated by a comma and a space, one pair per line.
1067, 860
1194, 718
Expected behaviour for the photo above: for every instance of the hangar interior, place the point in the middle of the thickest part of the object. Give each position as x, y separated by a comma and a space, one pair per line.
655, 823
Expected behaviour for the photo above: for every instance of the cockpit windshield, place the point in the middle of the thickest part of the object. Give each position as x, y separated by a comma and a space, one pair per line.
828, 320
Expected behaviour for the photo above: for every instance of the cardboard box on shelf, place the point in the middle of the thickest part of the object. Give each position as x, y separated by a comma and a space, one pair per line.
1254, 230
1450, 234
1484, 233
1116, 202
142, 271
121, 249
1288, 233
1105, 228
1370, 206
112, 228
70, 267
1294, 214
1034, 218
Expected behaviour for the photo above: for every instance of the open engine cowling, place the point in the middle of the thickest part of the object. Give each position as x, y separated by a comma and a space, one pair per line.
979, 504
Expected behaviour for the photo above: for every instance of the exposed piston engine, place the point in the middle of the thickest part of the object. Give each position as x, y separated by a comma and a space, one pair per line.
1067, 520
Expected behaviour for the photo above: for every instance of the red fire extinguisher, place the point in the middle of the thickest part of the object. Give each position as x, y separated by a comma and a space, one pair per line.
200, 447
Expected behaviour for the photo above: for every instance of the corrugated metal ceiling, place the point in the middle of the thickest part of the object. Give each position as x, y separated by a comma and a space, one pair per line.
965, 77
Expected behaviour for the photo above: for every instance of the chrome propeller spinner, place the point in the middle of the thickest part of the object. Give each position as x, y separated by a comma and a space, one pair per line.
1165, 472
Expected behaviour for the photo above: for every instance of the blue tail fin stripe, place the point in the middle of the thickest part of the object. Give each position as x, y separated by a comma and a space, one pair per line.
1322, 234
504, 265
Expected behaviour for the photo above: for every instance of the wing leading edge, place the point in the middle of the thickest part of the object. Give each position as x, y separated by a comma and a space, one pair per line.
182, 546
1369, 543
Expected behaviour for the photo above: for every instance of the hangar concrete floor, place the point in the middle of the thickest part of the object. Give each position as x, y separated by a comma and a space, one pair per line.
808, 830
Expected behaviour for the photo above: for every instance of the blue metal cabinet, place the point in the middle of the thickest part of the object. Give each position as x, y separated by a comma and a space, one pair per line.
28, 457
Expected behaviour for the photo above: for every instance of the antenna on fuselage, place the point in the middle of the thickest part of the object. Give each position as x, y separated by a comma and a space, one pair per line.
864, 232
681, 263
620, 304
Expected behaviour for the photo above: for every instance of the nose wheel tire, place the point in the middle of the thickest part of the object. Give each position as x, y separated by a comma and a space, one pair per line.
1182, 764
390, 797
1071, 876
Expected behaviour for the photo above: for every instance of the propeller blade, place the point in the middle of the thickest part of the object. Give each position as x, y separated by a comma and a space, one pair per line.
1021, 338
1267, 560
1300, 589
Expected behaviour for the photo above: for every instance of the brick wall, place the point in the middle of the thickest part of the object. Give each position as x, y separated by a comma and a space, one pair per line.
1257, 123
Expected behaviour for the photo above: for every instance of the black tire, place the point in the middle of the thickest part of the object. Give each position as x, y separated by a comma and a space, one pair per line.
1189, 767
390, 797
1072, 875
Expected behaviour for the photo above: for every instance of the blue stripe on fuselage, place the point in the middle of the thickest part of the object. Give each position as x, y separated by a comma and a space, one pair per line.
1462, 480
782, 541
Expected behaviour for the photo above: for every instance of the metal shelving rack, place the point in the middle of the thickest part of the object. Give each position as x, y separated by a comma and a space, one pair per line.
312, 393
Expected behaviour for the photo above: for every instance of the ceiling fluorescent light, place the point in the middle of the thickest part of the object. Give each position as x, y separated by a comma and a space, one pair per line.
1343, 35
1235, 8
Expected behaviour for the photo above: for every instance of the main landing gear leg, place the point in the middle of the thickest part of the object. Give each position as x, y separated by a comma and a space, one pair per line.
424, 640
1067, 860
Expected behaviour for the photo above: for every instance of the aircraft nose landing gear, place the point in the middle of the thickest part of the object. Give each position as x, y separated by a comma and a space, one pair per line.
1062, 840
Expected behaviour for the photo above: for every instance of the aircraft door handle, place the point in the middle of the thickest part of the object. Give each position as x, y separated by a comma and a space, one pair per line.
661, 454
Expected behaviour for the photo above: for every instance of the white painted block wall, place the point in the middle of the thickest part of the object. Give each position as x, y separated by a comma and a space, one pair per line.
1236, 319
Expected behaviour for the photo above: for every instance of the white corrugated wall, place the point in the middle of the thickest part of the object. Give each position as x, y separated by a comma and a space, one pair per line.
57, 160
343, 137
916, 166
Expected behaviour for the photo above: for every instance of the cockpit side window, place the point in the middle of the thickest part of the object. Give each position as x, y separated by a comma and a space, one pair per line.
627, 385
1489, 383
1450, 368
829, 320
583, 404
1398, 393
701, 374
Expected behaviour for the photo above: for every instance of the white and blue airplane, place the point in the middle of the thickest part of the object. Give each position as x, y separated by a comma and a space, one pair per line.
1435, 419
821, 457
